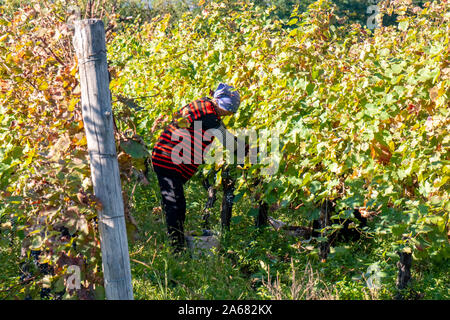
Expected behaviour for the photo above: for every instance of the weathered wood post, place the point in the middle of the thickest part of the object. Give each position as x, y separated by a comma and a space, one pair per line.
90, 47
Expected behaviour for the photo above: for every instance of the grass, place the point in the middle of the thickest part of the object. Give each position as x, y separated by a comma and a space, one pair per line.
251, 263
263, 264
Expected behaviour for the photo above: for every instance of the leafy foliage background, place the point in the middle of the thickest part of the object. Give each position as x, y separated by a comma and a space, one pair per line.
363, 118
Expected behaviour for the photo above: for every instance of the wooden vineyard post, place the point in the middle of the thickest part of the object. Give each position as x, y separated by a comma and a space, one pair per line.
209, 203
89, 43
404, 270
262, 218
228, 198
325, 213
263, 215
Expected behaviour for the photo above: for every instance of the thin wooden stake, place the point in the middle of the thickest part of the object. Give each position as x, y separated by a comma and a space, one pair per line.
262, 219
228, 198
89, 43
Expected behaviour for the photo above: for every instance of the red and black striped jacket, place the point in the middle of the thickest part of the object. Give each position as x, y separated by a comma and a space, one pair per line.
182, 134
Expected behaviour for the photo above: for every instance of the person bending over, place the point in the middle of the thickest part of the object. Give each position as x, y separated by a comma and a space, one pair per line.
181, 147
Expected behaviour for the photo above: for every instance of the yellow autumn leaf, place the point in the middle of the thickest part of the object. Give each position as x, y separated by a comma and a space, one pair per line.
183, 123
80, 139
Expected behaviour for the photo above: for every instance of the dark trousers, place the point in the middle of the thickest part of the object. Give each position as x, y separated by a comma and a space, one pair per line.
173, 205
